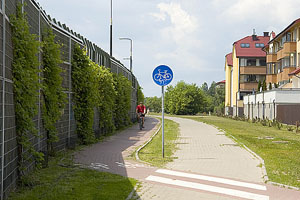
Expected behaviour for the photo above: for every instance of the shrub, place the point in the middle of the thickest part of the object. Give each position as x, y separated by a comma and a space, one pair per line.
26, 86
106, 99
122, 103
54, 97
85, 96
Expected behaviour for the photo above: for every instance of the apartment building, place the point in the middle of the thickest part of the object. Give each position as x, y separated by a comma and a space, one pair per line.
245, 66
283, 57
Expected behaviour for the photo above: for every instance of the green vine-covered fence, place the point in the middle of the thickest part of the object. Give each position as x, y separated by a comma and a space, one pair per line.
53, 127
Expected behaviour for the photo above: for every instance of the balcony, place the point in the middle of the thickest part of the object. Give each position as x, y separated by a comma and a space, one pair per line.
289, 47
271, 78
271, 58
284, 75
280, 54
253, 70
248, 86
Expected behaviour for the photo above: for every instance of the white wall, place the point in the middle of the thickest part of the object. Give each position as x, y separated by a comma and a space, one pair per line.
269, 98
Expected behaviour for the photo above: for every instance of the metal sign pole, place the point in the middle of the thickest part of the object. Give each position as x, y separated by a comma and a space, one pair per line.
162, 76
163, 121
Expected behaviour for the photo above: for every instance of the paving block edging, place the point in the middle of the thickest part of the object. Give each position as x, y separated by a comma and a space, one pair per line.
143, 146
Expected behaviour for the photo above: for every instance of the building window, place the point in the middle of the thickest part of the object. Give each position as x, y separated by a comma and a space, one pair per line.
243, 62
245, 45
288, 37
262, 62
251, 62
271, 68
251, 78
259, 45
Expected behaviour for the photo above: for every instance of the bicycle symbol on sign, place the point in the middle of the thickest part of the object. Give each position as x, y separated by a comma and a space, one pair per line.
163, 77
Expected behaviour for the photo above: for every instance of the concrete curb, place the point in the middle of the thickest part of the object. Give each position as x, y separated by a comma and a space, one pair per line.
284, 186
133, 192
139, 149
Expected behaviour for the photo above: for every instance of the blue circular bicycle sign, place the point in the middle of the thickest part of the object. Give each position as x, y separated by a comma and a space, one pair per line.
162, 75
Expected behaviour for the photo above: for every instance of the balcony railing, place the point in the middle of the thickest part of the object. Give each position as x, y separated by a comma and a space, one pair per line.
271, 78
253, 70
294, 66
271, 58
248, 86
289, 47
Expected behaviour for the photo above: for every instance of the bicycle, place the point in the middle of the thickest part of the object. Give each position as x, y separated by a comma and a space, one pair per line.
141, 124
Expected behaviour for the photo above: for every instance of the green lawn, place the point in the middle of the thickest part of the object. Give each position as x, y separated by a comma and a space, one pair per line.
152, 153
62, 180
282, 160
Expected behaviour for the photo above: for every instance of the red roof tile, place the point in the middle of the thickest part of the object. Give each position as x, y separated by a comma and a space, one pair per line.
252, 51
295, 72
229, 59
224, 81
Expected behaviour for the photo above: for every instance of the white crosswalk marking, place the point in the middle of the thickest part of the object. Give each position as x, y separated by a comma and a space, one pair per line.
99, 165
209, 188
213, 179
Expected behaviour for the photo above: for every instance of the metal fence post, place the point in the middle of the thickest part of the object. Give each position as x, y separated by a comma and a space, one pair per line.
3, 99
70, 88
39, 109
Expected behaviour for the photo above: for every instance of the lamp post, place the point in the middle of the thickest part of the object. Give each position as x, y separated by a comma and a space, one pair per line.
130, 51
111, 21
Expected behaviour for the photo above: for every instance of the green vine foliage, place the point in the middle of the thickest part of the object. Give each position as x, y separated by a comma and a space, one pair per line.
140, 95
54, 98
26, 87
84, 86
106, 99
122, 103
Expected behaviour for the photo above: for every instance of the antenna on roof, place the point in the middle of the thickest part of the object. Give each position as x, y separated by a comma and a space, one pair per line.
254, 32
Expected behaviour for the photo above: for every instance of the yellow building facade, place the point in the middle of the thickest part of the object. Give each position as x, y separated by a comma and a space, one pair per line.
283, 57
245, 66
228, 74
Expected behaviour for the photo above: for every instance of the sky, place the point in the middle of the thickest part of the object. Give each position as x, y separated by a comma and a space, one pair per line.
192, 37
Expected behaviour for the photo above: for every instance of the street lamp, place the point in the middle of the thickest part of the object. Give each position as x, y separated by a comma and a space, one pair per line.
111, 21
130, 51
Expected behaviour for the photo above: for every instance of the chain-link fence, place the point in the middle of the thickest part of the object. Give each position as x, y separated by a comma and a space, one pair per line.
39, 21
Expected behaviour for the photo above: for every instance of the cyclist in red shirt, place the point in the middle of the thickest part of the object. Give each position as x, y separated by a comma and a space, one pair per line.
141, 111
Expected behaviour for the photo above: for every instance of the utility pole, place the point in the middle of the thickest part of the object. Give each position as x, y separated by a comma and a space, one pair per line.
111, 22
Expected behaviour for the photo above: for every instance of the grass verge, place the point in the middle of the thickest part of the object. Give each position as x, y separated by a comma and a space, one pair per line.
152, 153
280, 149
63, 180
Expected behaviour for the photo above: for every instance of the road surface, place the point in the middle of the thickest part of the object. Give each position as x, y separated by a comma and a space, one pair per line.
210, 166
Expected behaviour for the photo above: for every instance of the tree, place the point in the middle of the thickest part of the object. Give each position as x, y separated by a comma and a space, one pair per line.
153, 103
270, 86
259, 85
212, 89
219, 102
204, 87
184, 99
264, 85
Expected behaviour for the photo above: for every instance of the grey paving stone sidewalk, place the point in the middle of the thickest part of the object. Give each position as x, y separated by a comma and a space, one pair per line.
204, 149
